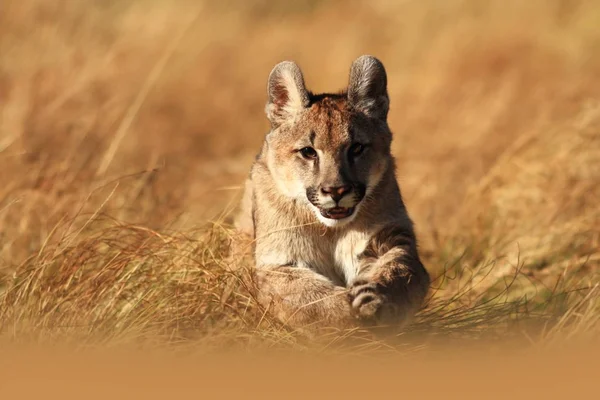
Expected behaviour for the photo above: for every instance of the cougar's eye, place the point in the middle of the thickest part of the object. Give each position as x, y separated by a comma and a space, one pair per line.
308, 153
356, 149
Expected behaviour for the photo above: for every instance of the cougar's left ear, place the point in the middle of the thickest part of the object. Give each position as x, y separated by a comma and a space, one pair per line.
287, 93
367, 87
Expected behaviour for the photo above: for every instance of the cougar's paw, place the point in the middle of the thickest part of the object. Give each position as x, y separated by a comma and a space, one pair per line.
365, 300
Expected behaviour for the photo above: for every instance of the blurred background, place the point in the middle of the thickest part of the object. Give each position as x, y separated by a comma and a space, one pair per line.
151, 112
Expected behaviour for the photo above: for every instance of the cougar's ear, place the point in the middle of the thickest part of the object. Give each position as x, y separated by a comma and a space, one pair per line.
287, 93
367, 87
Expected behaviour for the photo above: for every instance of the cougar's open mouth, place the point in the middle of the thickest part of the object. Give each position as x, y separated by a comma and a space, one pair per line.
337, 212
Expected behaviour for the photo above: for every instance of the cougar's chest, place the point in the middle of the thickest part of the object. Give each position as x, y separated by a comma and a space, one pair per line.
335, 256
347, 250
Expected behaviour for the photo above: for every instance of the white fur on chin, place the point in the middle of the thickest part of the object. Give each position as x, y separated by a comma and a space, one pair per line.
334, 223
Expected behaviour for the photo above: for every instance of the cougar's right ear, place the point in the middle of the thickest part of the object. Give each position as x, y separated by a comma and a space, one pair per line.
287, 94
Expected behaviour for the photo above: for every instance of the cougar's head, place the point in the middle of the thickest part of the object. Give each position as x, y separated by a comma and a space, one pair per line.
328, 151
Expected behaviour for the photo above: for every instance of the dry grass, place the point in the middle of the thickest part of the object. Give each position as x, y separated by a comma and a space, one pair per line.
126, 126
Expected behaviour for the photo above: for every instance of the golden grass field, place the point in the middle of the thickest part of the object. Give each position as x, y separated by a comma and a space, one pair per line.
127, 128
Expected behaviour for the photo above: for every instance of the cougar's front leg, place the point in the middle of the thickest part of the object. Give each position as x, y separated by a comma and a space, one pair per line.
301, 297
392, 282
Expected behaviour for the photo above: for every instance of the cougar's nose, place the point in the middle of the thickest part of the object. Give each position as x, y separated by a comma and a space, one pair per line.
336, 192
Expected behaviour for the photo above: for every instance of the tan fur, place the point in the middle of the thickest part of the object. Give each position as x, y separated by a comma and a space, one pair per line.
313, 269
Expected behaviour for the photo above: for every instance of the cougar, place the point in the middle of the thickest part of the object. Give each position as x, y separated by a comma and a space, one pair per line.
333, 243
